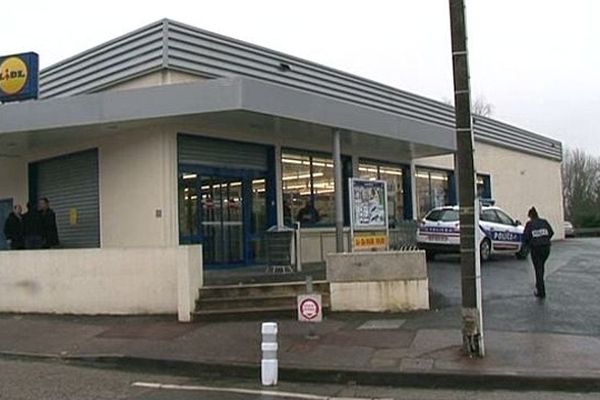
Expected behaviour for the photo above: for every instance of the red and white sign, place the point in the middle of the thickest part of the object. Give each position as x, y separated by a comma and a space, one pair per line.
310, 308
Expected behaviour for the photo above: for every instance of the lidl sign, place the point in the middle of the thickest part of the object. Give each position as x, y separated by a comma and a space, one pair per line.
19, 77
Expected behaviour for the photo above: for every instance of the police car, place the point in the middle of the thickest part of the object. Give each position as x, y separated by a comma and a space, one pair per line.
439, 232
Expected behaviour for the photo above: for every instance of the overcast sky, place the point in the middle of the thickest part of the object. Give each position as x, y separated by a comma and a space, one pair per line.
536, 61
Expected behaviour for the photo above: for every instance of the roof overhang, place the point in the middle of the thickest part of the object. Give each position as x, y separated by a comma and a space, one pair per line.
217, 97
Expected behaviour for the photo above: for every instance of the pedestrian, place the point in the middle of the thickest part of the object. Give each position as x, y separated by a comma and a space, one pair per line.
32, 228
536, 237
13, 229
308, 215
49, 227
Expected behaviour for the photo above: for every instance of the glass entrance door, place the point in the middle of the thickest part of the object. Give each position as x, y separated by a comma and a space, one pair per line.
224, 211
221, 220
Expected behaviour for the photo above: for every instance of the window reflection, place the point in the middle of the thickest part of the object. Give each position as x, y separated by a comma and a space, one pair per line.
308, 189
432, 190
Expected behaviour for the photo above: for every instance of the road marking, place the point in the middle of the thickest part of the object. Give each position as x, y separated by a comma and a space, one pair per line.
304, 396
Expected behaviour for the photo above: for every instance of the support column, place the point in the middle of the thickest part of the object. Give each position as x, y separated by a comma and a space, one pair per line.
278, 186
355, 163
339, 192
413, 193
456, 178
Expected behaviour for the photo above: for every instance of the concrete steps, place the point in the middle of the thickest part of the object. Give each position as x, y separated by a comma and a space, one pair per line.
272, 299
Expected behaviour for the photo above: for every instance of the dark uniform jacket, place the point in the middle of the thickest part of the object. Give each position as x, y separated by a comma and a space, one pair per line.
49, 228
13, 229
32, 224
538, 232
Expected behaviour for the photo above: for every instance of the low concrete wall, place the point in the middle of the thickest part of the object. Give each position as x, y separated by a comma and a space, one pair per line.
378, 281
100, 281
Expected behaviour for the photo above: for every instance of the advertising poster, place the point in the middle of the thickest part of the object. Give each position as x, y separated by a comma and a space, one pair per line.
369, 205
369, 218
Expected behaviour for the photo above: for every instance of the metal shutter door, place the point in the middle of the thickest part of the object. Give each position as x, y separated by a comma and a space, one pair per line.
221, 153
71, 183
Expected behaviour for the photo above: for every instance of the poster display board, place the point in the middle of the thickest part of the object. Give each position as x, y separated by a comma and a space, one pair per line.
368, 215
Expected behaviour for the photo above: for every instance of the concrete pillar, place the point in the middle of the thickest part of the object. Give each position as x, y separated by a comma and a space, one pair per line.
279, 186
413, 193
339, 200
355, 163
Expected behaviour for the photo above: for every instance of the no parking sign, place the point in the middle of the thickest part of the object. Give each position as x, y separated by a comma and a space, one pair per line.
310, 308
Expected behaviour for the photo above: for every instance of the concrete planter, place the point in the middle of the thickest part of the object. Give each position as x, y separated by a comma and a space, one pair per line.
378, 281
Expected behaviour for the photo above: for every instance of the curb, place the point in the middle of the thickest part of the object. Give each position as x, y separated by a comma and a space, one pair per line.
426, 380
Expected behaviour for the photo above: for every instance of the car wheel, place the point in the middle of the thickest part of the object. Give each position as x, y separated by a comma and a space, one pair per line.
485, 250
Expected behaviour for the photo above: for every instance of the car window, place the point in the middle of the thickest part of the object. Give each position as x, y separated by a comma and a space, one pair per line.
489, 216
443, 216
504, 218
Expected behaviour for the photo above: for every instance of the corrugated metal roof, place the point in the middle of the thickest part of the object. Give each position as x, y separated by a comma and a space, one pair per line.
170, 44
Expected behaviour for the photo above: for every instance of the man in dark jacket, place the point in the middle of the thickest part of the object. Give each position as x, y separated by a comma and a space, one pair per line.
13, 229
49, 228
32, 228
537, 235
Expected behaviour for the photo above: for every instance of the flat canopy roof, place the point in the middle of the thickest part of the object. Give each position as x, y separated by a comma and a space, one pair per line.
225, 95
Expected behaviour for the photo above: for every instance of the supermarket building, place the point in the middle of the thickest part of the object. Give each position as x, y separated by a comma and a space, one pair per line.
170, 137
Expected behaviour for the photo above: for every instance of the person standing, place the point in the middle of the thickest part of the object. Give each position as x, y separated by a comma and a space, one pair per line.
32, 228
13, 229
536, 237
49, 227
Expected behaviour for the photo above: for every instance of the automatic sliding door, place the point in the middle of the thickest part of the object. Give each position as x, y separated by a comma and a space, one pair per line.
222, 220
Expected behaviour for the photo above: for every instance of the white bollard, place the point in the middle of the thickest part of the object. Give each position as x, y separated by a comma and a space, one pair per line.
269, 364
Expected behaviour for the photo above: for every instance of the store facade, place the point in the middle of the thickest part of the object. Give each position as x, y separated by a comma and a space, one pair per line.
172, 136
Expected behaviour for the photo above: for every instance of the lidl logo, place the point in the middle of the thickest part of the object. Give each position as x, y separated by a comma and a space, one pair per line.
13, 75
19, 77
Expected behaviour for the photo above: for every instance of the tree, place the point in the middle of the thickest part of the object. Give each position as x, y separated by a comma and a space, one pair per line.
479, 107
581, 188
482, 107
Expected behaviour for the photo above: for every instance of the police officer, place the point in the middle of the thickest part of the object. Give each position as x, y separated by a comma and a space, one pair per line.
536, 237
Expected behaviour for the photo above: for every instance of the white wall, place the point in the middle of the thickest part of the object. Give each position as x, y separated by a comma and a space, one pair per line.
520, 181
95, 281
13, 180
138, 178
163, 77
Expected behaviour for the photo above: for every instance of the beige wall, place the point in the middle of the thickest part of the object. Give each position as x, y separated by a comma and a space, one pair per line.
13, 180
99, 281
138, 179
519, 181
164, 77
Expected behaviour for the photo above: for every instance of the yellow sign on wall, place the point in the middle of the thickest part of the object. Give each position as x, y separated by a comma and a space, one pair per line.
73, 216
370, 241
19, 75
13, 75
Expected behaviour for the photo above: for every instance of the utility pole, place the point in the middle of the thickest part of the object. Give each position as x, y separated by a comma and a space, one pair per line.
469, 211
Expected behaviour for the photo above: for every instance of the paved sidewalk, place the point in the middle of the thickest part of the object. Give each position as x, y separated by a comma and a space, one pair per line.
361, 348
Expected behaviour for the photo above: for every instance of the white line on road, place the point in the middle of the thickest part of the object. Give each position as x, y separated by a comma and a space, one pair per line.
304, 396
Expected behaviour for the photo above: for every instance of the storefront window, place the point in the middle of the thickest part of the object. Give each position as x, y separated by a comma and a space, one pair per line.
432, 190
484, 190
308, 189
393, 175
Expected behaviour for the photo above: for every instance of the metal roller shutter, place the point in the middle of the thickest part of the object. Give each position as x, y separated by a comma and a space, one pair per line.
71, 184
221, 153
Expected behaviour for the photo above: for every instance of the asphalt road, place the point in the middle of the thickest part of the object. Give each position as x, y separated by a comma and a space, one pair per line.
572, 305
49, 381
